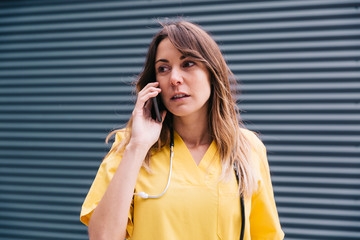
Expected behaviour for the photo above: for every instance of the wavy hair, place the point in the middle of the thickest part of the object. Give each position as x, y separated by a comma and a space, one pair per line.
224, 117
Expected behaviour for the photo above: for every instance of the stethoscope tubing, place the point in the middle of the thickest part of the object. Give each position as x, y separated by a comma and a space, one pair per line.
242, 205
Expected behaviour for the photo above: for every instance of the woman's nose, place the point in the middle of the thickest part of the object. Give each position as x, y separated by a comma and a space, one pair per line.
176, 77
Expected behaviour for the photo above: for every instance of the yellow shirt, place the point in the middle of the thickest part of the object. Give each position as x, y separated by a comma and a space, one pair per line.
196, 205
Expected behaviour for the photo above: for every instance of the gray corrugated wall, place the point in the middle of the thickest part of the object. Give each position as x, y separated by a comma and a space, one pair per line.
65, 74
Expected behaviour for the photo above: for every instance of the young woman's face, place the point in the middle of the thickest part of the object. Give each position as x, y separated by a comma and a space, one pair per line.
184, 82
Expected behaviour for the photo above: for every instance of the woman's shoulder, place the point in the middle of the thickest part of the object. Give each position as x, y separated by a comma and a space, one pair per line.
258, 150
116, 149
253, 138
120, 134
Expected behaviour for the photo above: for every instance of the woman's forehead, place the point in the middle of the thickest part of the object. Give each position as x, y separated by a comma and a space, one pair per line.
167, 50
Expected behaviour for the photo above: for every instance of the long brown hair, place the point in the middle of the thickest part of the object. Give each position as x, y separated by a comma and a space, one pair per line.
224, 118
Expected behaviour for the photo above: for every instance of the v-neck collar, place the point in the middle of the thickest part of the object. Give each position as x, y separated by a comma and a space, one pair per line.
180, 147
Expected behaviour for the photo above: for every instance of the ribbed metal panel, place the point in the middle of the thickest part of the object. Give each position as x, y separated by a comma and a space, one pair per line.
65, 74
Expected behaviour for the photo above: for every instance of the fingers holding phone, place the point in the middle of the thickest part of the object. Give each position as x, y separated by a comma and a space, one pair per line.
147, 121
149, 91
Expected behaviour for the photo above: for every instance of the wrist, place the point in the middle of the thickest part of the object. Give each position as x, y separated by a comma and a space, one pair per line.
136, 152
139, 143
137, 147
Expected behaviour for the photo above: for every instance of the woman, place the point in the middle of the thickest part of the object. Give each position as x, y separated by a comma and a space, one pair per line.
194, 192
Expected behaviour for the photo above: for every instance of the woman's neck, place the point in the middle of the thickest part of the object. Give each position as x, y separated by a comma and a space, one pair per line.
193, 131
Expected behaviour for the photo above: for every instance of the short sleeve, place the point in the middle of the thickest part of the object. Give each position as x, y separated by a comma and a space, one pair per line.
264, 219
102, 179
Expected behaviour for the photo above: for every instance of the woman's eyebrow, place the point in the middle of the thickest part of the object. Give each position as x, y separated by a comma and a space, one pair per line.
161, 60
165, 60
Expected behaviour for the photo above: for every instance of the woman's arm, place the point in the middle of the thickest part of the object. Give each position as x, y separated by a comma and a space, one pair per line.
264, 218
109, 219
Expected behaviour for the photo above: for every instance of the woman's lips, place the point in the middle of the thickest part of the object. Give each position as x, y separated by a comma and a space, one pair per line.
179, 96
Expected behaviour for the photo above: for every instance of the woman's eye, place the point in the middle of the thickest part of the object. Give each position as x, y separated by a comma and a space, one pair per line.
188, 64
162, 69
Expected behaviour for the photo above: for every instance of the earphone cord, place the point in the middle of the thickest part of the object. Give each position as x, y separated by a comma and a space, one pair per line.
242, 205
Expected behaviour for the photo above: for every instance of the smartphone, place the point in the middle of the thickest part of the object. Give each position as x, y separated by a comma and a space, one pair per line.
155, 111
157, 108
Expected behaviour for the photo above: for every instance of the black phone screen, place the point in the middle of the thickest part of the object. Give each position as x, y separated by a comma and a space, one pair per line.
155, 111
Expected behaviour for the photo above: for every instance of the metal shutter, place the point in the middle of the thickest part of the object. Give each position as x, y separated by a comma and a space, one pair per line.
65, 74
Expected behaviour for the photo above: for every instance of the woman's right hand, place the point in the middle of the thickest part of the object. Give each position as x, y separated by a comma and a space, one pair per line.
145, 130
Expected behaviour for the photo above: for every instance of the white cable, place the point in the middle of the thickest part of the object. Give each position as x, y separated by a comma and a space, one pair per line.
145, 195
